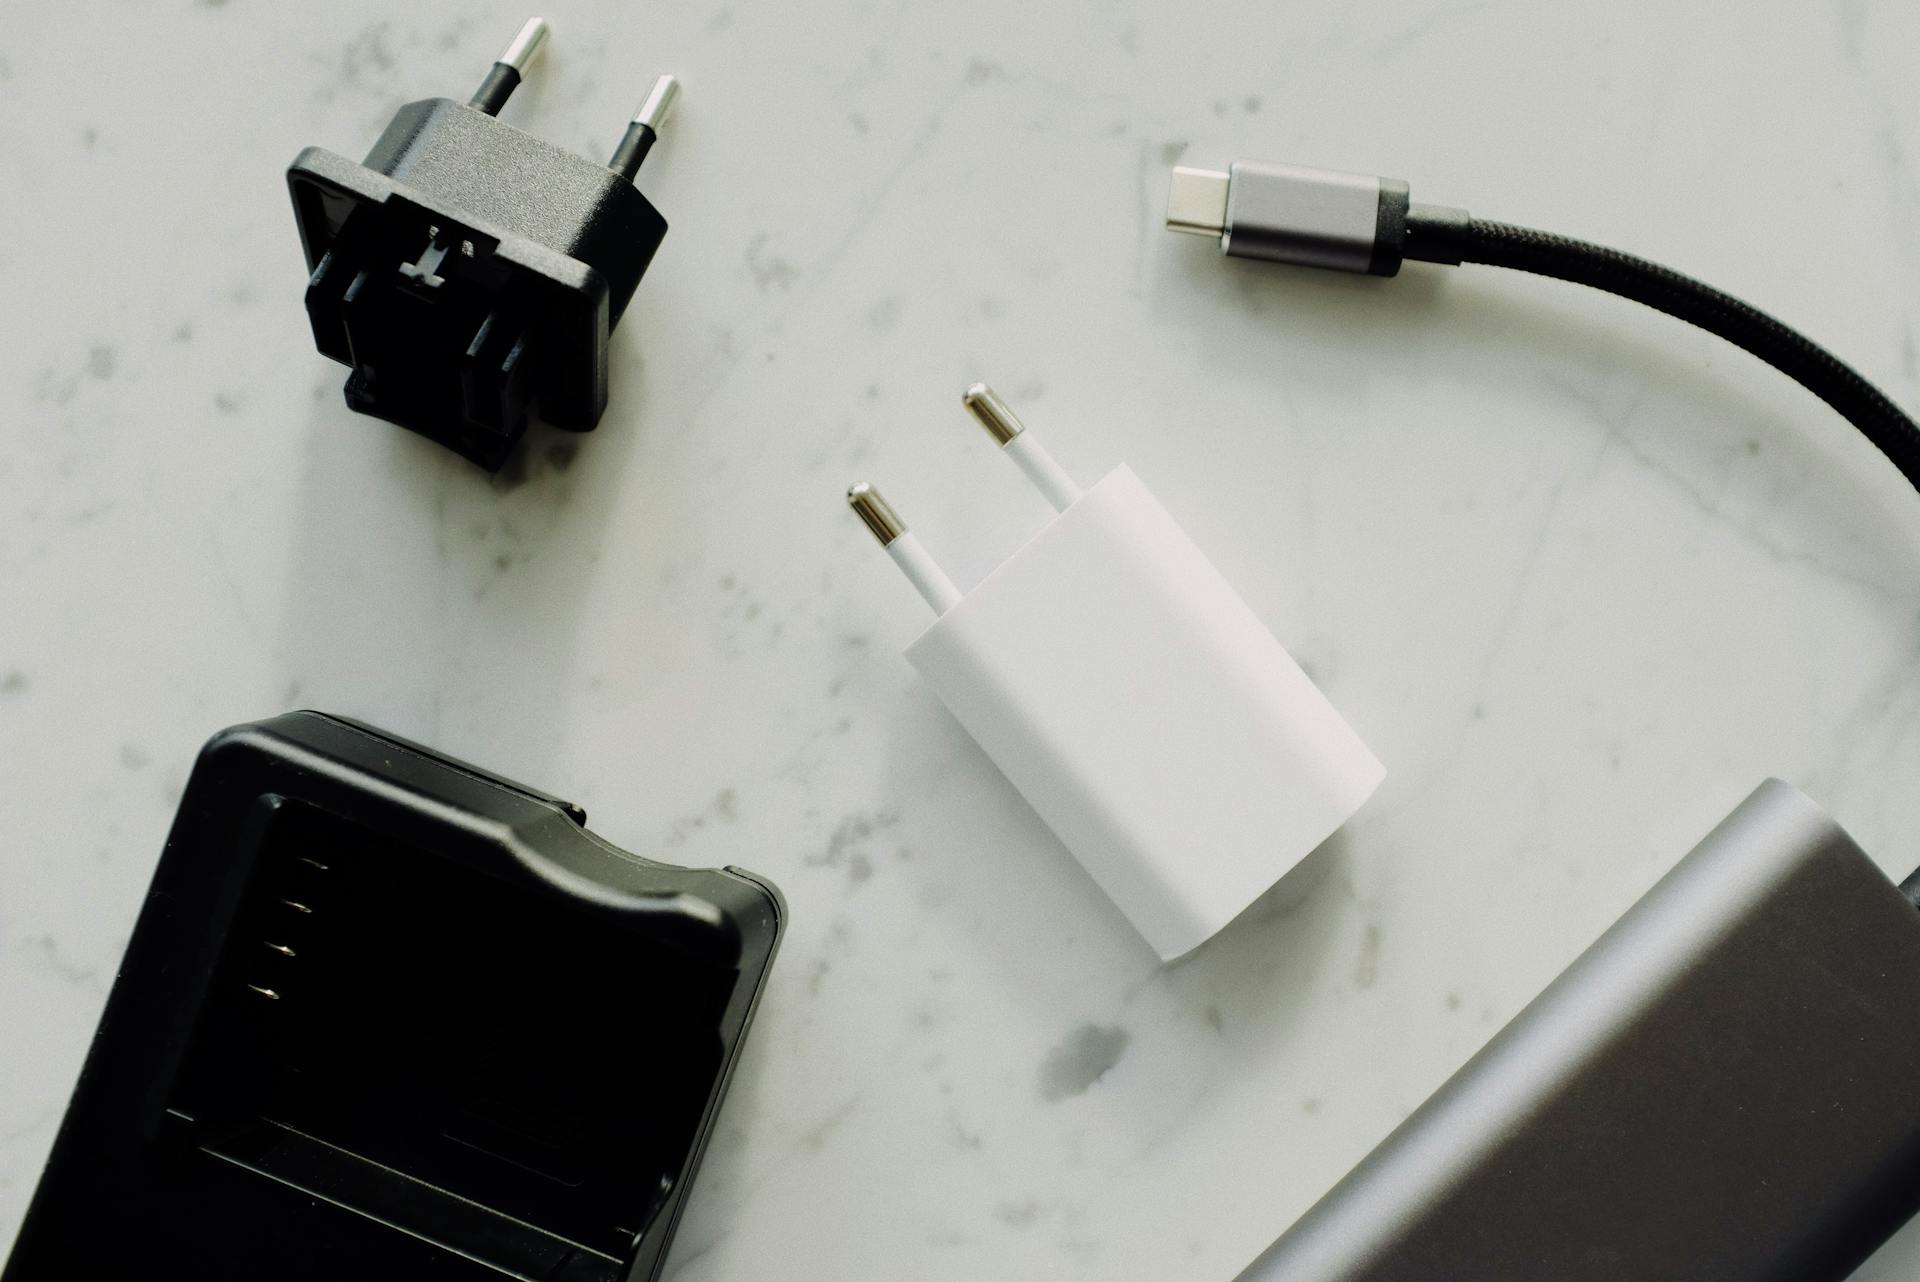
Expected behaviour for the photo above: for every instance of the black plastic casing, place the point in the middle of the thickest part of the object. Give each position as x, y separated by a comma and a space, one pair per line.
385, 1016
543, 250
1724, 1088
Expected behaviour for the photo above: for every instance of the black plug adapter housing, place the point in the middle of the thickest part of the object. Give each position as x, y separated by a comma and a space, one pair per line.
386, 1016
470, 273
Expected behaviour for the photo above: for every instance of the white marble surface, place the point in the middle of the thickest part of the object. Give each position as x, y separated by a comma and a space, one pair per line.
1580, 575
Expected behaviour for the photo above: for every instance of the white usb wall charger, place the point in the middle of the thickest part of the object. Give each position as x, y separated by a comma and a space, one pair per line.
1134, 699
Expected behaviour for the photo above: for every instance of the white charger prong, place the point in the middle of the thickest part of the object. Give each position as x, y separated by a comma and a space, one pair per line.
904, 547
1020, 445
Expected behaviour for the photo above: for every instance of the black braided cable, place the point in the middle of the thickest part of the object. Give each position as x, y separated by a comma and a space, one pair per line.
1786, 349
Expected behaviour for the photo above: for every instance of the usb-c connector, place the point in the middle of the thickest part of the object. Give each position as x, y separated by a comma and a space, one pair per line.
1305, 216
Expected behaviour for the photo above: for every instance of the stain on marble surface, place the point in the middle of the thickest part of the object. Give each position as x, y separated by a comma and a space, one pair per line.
1087, 1054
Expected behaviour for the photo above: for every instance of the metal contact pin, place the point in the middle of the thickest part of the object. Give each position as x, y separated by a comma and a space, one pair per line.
984, 403
921, 569
644, 128
876, 512
526, 45
509, 68
659, 105
1022, 446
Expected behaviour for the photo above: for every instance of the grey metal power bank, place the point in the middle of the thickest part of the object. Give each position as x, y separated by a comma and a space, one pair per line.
1725, 1086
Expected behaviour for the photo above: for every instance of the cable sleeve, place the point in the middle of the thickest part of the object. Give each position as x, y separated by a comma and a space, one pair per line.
1479, 240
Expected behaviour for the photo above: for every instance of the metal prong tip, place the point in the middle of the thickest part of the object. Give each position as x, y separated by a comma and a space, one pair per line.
1197, 201
654, 111
526, 46
985, 404
876, 512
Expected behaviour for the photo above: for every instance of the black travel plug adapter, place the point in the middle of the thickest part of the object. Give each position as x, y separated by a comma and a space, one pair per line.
387, 1016
470, 273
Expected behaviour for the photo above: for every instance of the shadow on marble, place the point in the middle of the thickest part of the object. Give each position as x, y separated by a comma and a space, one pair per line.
439, 602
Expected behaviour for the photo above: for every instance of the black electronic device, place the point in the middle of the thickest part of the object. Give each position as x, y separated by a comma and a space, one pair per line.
386, 1016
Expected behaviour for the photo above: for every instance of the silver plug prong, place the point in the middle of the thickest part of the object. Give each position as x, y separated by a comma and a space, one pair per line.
876, 512
660, 102
1013, 438
526, 46
901, 544
510, 67
644, 128
985, 404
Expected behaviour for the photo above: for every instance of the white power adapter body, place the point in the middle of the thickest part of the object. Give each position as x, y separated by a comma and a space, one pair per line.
1135, 700
1147, 714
